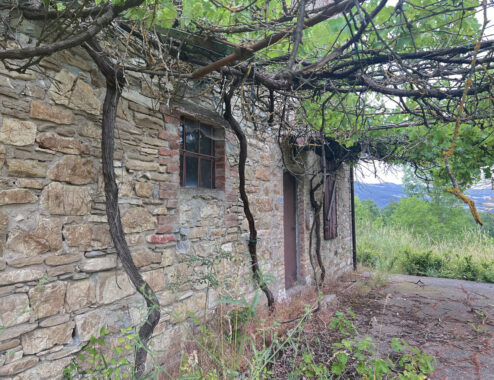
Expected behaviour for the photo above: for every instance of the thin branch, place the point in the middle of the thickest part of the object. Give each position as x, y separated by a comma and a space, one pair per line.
244, 52
299, 31
106, 18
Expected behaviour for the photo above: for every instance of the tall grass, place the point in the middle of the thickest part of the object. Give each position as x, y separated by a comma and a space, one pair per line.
468, 255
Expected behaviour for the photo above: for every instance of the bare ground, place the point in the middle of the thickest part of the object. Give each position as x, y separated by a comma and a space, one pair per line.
452, 320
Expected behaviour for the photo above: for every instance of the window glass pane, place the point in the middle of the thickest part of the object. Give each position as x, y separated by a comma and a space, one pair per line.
206, 133
181, 133
191, 170
191, 137
206, 174
181, 169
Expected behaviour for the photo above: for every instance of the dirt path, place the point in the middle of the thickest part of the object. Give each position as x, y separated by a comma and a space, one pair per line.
450, 319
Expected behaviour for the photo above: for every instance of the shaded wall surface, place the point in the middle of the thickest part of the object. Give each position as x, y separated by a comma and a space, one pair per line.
60, 278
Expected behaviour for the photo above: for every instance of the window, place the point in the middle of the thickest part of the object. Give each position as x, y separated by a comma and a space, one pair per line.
197, 154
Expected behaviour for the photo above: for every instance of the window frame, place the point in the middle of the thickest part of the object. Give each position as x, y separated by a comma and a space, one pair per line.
184, 153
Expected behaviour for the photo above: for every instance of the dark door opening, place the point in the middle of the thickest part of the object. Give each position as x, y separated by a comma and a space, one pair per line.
290, 229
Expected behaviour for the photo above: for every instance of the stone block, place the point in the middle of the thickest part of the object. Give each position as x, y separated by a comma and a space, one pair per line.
160, 211
17, 132
3, 153
263, 204
145, 257
168, 256
66, 131
50, 140
263, 174
74, 170
25, 261
35, 91
55, 320
59, 199
61, 269
20, 275
46, 370
197, 232
166, 298
123, 110
17, 196
48, 299
160, 239
4, 346
141, 165
16, 331
90, 130
101, 238
61, 88
88, 325
13, 355
192, 305
14, 309
62, 259
144, 189
74, 57
4, 222
78, 235
26, 168
80, 294
46, 238
58, 115
19, 366
99, 264
137, 220
83, 98
43, 339
112, 287
29, 183
152, 141
155, 279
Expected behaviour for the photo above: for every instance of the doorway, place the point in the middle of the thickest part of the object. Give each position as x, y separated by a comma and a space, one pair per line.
290, 228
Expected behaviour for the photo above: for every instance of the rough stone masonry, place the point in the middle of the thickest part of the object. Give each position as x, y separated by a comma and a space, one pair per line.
60, 278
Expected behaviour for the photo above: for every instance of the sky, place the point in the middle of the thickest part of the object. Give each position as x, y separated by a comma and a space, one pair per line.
378, 172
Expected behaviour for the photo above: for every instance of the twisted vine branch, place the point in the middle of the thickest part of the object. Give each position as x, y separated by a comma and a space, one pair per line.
245, 199
114, 85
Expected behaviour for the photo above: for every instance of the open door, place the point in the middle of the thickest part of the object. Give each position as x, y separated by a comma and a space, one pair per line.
290, 228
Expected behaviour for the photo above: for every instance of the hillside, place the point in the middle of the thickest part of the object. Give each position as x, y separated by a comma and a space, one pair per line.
383, 193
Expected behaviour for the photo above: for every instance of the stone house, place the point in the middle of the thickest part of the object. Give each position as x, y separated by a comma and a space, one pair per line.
60, 278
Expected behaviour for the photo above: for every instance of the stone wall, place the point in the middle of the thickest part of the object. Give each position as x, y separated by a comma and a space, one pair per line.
60, 278
336, 253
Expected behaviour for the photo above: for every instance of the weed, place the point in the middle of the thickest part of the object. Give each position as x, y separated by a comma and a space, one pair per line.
342, 324
98, 360
309, 369
478, 328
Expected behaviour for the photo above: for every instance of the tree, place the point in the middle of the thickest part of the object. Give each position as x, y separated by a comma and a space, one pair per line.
409, 82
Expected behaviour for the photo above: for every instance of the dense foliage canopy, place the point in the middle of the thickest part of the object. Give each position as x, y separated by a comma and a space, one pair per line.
407, 80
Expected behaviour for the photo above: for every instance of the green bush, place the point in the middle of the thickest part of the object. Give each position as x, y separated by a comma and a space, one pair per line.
422, 263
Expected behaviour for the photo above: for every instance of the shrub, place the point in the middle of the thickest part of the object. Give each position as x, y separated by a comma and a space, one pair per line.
422, 263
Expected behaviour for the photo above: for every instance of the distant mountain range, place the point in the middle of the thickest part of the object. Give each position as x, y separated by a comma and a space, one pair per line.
383, 193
